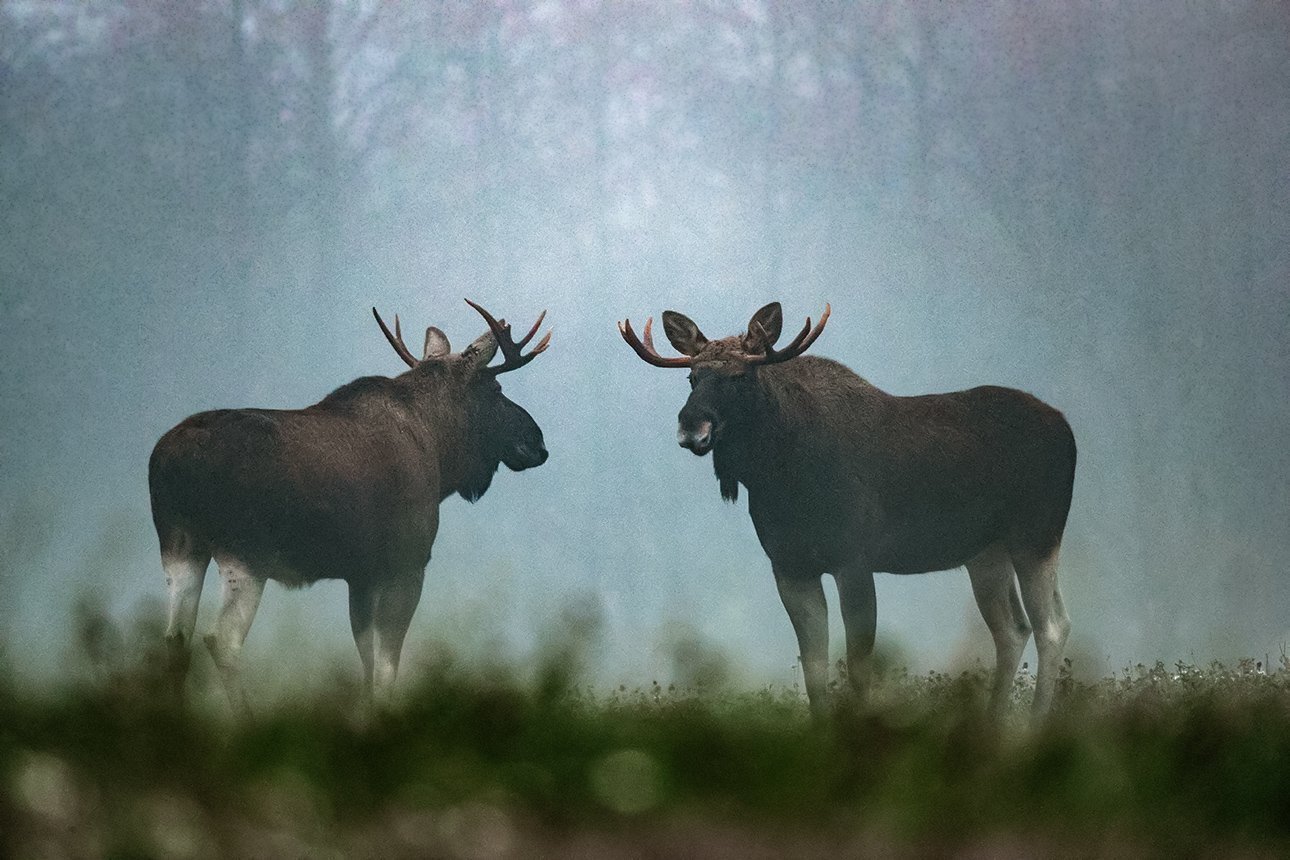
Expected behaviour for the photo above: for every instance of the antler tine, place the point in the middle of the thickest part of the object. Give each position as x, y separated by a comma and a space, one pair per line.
512, 352
498, 329
798, 345
646, 350
647, 336
528, 337
819, 328
796, 341
396, 339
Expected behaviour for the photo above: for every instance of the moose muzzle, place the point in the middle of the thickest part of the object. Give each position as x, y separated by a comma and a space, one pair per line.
525, 456
697, 437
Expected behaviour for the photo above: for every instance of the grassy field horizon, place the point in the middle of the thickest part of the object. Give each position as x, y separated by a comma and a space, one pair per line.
514, 761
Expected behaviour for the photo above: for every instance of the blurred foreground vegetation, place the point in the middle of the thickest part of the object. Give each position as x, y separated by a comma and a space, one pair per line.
496, 763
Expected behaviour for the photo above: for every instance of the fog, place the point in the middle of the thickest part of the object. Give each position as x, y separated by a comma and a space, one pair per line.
200, 203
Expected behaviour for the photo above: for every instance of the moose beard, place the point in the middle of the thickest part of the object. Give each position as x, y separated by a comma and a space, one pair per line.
477, 480
724, 468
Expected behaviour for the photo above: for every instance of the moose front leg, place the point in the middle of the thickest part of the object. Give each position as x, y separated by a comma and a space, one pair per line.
860, 618
362, 606
395, 601
803, 598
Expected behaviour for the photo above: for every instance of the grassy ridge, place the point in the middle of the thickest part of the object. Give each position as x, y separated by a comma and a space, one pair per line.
1155, 760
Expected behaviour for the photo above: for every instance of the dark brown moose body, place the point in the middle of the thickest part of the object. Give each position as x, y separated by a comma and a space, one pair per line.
348, 489
846, 473
343, 504
843, 478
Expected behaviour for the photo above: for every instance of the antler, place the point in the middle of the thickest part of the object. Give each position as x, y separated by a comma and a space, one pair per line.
796, 346
646, 350
396, 339
511, 349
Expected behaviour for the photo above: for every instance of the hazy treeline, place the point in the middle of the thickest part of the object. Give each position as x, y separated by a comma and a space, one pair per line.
1087, 199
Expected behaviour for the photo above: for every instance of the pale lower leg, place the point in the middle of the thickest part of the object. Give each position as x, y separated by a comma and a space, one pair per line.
240, 592
361, 604
804, 600
1043, 601
859, 606
184, 577
996, 596
395, 602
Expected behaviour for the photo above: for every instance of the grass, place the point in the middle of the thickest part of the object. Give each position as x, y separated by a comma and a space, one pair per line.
1153, 761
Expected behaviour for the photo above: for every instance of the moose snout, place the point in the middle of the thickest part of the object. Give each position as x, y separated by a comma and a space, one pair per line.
526, 456
697, 438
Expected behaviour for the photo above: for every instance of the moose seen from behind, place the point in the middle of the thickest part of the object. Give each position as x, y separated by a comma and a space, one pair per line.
348, 488
846, 479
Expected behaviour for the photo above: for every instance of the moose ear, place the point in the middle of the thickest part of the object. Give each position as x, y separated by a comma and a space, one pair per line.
683, 333
481, 350
764, 329
437, 345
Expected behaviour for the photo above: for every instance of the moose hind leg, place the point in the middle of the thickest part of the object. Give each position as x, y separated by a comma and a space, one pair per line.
1043, 600
859, 605
185, 573
395, 602
240, 592
995, 590
803, 598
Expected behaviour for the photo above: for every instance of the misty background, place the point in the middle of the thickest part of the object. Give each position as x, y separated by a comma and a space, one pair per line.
200, 202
